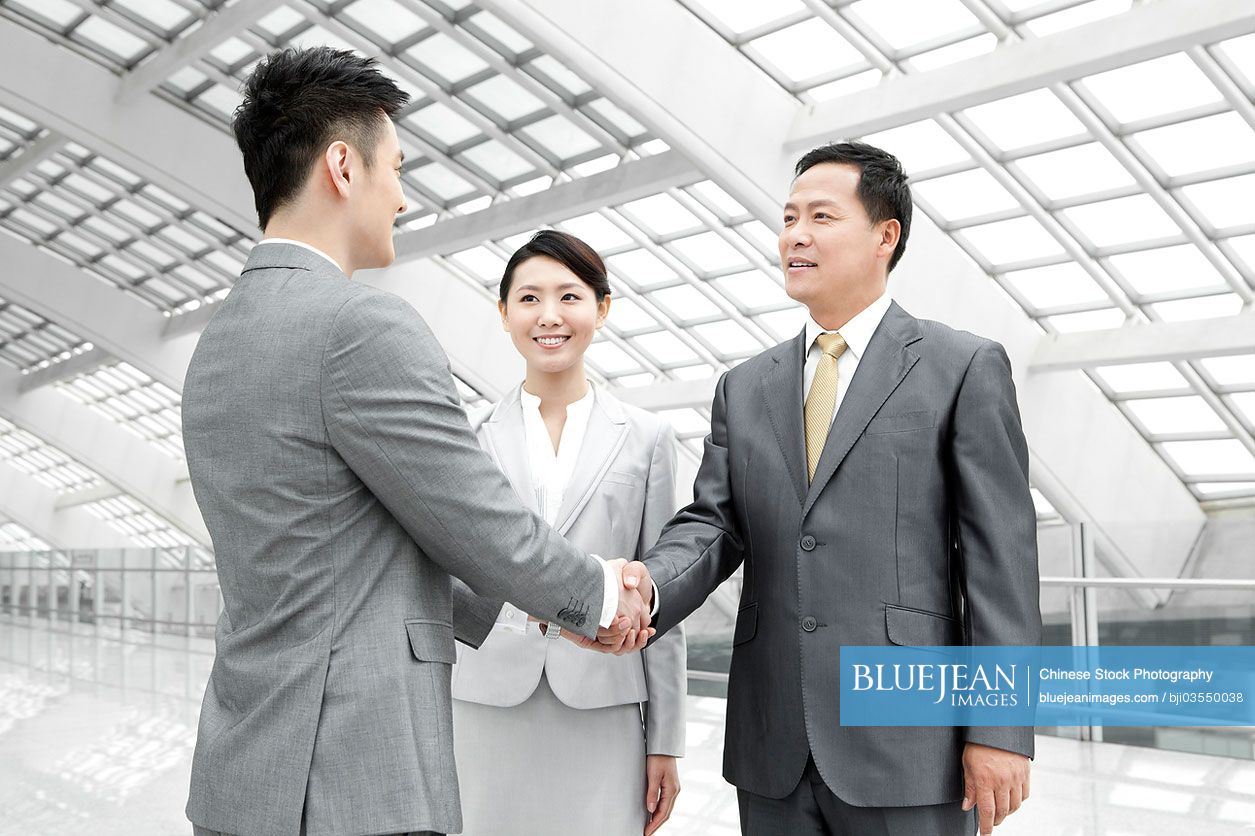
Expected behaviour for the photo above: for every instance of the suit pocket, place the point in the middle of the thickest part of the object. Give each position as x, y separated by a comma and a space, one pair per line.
431, 640
616, 478
918, 628
746, 624
902, 422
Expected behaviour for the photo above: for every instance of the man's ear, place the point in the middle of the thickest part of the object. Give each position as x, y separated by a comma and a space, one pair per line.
337, 160
889, 235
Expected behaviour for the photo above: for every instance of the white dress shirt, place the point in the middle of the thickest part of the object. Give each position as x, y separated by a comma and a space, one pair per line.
303, 246
857, 334
551, 472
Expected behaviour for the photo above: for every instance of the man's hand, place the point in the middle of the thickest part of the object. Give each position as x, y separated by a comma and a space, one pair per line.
630, 630
995, 781
663, 778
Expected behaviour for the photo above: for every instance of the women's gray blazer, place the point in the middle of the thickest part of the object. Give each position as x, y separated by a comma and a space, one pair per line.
626, 463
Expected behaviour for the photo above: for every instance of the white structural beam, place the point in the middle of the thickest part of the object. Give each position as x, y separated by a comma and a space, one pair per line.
625, 182
1147, 342
66, 369
216, 28
77, 98
659, 61
121, 457
29, 157
1144, 32
35, 507
115, 322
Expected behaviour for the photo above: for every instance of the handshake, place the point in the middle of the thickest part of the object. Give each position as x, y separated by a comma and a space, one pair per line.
630, 630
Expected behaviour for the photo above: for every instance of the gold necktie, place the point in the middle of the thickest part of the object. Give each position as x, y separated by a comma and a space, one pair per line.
822, 398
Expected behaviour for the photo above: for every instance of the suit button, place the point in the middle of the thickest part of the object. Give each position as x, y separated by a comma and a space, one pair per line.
808, 543
809, 624
509, 614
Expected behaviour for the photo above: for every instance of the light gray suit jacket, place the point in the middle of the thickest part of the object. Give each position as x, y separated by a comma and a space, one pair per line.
918, 529
342, 486
626, 463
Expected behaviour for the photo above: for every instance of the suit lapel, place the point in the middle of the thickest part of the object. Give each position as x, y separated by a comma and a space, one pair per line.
782, 390
607, 431
882, 368
507, 443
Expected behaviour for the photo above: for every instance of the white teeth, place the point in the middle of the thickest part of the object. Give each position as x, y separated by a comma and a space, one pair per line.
551, 340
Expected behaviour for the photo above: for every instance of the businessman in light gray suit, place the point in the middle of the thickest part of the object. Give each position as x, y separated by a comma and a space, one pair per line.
872, 476
342, 486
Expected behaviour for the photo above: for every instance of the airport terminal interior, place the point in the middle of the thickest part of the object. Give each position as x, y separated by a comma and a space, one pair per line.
1084, 181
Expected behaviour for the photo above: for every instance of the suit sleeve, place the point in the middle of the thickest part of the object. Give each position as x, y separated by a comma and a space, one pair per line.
996, 522
702, 545
473, 615
665, 660
394, 416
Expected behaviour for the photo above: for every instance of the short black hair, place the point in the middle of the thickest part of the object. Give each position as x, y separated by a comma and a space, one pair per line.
299, 101
883, 188
569, 251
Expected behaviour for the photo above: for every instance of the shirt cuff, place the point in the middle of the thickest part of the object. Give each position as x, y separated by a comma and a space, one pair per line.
653, 611
610, 601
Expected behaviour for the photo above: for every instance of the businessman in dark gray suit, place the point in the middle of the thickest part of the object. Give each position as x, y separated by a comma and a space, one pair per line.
344, 490
872, 476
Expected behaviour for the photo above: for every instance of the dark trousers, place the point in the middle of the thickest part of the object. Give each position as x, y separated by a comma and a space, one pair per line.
813, 810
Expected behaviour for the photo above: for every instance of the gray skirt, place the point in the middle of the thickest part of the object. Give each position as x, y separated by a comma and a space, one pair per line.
542, 767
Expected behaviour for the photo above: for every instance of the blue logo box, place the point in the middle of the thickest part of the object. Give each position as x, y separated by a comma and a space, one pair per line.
1047, 686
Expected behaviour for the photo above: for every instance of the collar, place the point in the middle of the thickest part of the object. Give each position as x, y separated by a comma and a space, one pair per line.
858, 331
583, 405
303, 246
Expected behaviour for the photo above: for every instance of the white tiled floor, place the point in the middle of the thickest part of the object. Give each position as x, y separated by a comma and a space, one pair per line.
96, 738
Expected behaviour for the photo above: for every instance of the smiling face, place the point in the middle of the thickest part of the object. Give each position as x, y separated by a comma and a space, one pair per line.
551, 315
831, 252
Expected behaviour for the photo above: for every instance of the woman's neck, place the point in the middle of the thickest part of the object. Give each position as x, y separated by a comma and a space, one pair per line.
557, 389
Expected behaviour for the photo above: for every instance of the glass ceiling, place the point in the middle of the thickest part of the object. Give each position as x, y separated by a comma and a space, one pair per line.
14, 538
1086, 202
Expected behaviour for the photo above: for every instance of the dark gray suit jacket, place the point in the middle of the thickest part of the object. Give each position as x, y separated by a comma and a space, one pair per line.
918, 529
340, 480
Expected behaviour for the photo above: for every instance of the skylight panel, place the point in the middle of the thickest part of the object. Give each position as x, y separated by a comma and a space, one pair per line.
611, 360
1122, 221
844, 86
1099, 320
1224, 203
1167, 270
920, 146
784, 324
1024, 120
1200, 144
561, 137
761, 236
481, 262
164, 14
1076, 16
442, 182
505, 97
443, 123
1217, 489
1245, 403
643, 269
1141, 377
661, 214
708, 252
61, 13
1056, 286
14, 537
314, 36
1165, 416
954, 53
687, 422
627, 316
1152, 88
1240, 52
388, 19
666, 348
1238, 370
447, 58
753, 290
231, 52
744, 15
499, 31
597, 231
807, 49
280, 22
685, 303
1244, 248
1007, 242
1071, 172
1211, 458
904, 23
496, 159
728, 338
559, 74
1204, 307
220, 100
713, 196
966, 194
617, 117
111, 38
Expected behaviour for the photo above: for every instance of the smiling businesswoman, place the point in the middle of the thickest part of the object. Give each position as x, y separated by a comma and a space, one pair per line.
549, 737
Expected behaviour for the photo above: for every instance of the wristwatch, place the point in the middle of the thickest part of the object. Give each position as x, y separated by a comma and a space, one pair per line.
553, 630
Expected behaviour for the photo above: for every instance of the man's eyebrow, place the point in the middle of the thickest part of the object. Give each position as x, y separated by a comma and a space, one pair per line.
823, 201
